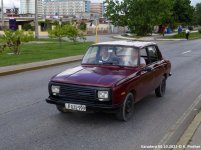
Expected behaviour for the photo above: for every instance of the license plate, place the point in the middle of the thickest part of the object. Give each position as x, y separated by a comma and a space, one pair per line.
76, 107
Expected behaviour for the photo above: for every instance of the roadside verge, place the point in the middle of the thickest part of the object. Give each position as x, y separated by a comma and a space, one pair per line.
38, 65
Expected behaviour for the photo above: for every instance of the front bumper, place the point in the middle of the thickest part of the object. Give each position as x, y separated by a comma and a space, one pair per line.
89, 106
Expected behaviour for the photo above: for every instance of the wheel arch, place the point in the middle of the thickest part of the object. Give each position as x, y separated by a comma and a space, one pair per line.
165, 75
133, 91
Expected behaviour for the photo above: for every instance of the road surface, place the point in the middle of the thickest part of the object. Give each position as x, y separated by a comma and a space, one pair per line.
28, 122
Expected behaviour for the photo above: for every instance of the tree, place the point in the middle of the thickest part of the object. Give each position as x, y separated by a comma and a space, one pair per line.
14, 39
73, 33
68, 30
145, 14
117, 12
139, 15
183, 11
198, 13
58, 32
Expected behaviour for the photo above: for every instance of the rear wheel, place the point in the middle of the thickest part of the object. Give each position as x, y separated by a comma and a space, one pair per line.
126, 111
62, 109
160, 90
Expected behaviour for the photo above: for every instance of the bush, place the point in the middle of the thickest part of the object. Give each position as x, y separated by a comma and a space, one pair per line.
27, 26
15, 38
68, 30
73, 33
58, 32
82, 26
2, 47
199, 30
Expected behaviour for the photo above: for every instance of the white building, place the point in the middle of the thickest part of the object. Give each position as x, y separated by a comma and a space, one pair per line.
63, 7
28, 7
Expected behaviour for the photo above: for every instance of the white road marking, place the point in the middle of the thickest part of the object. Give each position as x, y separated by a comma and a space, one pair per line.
186, 52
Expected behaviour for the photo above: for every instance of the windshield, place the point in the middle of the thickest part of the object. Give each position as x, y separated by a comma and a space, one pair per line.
114, 55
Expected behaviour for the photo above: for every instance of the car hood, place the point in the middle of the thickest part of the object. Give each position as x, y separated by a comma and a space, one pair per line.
94, 75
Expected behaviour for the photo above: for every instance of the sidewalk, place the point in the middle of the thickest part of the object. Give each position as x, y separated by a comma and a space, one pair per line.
191, 138
196, 139
37, 65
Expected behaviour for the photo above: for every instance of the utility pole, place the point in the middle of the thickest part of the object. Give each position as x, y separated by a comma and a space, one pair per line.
2, 17
36, 19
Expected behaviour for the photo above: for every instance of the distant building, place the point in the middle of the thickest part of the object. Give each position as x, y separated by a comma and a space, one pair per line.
12, 12
64, 7
28, 7
87, 6
97, 8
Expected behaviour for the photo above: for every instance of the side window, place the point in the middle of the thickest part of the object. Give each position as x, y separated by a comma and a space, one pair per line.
143, 54
152, 53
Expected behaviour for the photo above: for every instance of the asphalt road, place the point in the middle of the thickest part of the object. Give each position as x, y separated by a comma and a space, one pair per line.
28, 122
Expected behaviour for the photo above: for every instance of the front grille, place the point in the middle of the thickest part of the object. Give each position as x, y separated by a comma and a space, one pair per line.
79, 93
74, 92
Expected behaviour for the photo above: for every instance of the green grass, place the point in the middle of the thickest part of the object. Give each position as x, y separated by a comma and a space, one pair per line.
194, 35
39, 52
48, 40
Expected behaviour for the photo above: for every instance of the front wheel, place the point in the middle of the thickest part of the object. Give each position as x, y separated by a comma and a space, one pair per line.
126, 111
62, 109
160, 90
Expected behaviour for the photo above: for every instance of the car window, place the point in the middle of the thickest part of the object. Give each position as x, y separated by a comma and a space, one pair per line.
143, 54
128, 55
152, 53
90, 56
111, 55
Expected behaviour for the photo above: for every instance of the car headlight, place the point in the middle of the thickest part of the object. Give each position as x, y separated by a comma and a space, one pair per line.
103, 95
55, 89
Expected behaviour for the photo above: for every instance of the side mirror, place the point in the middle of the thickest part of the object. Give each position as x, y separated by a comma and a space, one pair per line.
148, 69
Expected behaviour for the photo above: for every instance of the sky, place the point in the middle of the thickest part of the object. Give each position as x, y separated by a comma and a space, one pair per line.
16, 3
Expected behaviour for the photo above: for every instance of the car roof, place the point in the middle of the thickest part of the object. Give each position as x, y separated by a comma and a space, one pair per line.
138, 44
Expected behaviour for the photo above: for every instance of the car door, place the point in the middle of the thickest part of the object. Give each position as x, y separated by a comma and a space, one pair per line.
155, 62
146, 78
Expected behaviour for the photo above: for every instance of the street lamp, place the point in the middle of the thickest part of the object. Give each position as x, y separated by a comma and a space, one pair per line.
36, 19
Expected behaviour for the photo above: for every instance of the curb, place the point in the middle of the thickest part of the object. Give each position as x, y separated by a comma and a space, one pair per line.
188, 134
38, 65
154, 39
123, 38
176, 131
171, 40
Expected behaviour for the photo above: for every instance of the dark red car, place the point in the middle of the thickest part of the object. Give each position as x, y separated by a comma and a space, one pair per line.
113, 76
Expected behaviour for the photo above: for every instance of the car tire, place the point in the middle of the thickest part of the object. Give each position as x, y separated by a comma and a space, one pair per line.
126, 111
160, 90
62, 109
